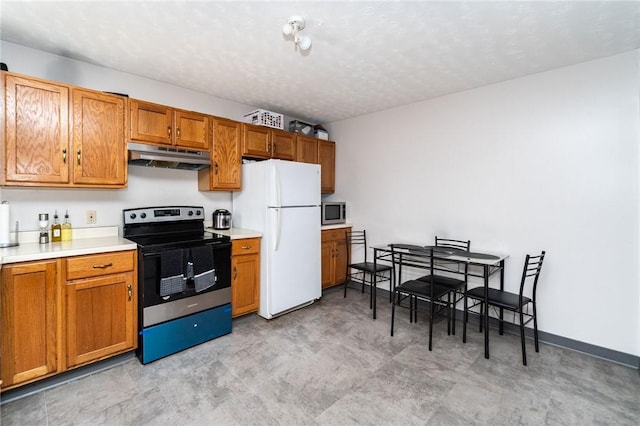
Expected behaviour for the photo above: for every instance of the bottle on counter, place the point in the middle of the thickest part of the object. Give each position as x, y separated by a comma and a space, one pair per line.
66, 227
56, 229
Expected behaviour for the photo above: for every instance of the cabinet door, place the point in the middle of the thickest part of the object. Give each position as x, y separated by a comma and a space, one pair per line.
245, 285
340, 261
99, 152
151, 123
100, 317
36, 131
192, 130
307, 149
225, 172
328, 263
283, 145
30, 322
327, 161
256, 141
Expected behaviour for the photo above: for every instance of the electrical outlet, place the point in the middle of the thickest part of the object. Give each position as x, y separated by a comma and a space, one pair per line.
91, 217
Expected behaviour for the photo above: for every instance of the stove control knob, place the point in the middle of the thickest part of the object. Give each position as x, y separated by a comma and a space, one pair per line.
190, 212
132, 215
143, 215
198, 212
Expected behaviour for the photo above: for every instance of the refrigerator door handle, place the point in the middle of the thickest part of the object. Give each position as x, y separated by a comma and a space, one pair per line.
278, 229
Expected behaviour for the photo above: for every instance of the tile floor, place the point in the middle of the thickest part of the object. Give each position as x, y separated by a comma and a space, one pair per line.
330, 363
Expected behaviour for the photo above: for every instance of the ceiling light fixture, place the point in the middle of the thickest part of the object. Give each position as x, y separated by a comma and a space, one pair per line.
294, 25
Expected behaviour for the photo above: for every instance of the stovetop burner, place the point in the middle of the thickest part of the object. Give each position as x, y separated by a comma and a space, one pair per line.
162, 227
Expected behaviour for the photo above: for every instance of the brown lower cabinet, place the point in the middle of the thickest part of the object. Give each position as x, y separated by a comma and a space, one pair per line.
245, 276
334, 257
62, 313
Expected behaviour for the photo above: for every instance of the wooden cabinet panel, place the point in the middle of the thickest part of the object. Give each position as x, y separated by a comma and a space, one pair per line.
100, 317
307, 149
36, 131
256, 141
283, 145
327, 161
192, 130
94, 265
151, 122
99, 149
225, 172
334, 257
245, 269
30, 322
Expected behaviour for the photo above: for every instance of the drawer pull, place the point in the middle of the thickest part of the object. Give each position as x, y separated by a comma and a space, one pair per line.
246, 247
129, 292
103, 266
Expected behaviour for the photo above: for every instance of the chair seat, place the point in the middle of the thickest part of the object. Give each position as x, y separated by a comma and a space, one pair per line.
422, 288
451, 283
501, 299
369, 267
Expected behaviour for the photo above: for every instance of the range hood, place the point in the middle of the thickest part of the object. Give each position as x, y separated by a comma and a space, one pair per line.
169, 158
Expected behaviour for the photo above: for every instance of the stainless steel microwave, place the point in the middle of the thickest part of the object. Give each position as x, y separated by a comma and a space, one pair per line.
334, 212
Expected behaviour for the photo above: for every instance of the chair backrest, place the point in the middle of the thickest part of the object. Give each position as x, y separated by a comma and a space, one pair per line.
416, 257
531, 273
456, 244
355, 238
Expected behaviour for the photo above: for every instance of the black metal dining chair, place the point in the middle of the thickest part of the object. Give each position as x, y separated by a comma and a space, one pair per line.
457, 285
426, 290
360, 271
517, 303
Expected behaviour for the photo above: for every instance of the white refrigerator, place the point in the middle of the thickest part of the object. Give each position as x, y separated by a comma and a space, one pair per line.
281, 199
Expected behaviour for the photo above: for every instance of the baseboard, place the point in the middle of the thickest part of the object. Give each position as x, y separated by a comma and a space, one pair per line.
67, 376
618, 357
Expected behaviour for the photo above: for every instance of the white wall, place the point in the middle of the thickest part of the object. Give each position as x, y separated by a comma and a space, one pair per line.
549, 161
146, 186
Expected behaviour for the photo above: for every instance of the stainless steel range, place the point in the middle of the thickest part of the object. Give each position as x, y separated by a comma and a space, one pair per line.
184, 279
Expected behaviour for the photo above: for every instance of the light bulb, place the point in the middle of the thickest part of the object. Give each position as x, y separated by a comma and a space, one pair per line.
287, 29
304, 43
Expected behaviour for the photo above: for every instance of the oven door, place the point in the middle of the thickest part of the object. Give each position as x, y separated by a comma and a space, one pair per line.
157, 304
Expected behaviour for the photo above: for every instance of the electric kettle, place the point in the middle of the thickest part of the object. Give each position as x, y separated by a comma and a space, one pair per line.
221, 219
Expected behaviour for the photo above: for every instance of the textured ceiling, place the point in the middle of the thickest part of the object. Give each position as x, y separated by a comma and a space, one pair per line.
365, 57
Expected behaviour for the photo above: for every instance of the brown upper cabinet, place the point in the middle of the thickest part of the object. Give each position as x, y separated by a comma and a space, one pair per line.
307, 149
263, 142
162, 125
224, 173
61, 135
327, 161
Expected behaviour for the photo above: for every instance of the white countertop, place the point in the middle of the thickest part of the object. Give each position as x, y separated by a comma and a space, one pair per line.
338, 226
35, 251
235, 233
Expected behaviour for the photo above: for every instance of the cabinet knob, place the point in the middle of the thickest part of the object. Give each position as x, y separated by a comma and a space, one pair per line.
129, 292
235, 272
169, 131
177, 132
215, 165
64, 155
78, 156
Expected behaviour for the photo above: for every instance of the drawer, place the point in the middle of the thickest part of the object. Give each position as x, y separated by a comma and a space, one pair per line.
333, 234
93, 265
245, 246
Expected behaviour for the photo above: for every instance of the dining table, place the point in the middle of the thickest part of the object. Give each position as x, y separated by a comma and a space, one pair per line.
482, 265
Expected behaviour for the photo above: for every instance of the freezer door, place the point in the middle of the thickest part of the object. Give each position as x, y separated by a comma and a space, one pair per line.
292, 184
292, 258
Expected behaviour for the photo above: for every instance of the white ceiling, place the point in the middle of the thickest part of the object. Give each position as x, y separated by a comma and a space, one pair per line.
365, 57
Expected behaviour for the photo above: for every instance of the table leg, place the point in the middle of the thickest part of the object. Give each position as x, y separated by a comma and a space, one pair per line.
486, 311
501, 289
374, 280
